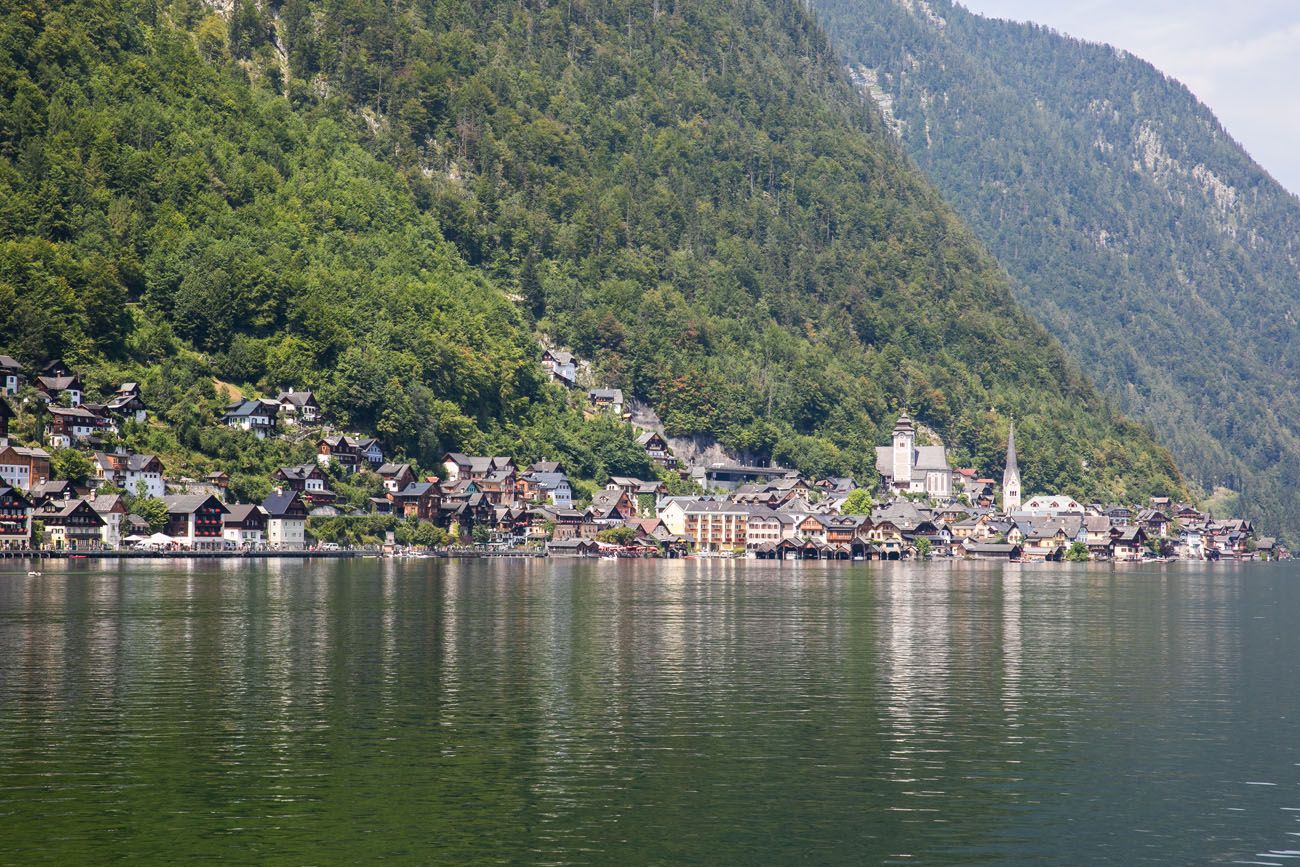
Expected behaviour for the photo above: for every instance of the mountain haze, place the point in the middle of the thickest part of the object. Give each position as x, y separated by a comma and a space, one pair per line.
392, 203
1134, 226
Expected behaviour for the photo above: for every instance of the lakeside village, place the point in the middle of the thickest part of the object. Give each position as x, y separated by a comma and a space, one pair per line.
919, 506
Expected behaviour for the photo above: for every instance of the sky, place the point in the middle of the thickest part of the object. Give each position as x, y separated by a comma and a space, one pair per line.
1240, 57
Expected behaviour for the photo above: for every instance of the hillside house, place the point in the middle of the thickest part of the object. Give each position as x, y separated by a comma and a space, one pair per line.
608, 400
309, 480
24, 468
129, 471
63, 387
396, 476
71, 425
422, 500
561, 366
126, 402
657, 450
298, 407
256, 415
11, 375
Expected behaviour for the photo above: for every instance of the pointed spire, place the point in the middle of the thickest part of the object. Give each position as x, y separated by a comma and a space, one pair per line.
1012, 466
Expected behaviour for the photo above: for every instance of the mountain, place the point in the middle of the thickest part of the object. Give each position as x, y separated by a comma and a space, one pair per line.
392, 203
1135, 228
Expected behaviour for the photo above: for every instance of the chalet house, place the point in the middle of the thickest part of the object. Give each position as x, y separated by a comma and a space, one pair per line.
71, 425
195, 521
298, 407
371, 451
71, 525
553, 488
11, 375
606, 400
128, 471
256, 415
111, 509
612, 507
462, 513
457, 466
1120, 516
338, 449
1155, 522
286, 521
53, 491
62, 387
547, 467
842, 529
217, 481
6, 413
906, 467
421, 500
15, 519
887, 538
562, 366
657, 450
245, 525
1128, 542
1047, 541
1097, 532
126, 402
309, 480
569, 524
498, 486
396, 476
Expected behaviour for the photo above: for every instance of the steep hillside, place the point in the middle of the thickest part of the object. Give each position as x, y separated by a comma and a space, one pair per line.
1136, 229
687, 194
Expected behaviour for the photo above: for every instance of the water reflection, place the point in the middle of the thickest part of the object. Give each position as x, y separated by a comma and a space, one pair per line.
683, 711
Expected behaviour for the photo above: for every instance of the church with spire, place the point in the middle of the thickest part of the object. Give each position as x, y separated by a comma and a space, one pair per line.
1011, 476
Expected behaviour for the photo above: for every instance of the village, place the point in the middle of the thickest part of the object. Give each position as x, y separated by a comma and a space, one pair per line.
917, 506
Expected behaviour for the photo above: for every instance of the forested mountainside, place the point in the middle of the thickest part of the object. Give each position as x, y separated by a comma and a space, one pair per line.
390, 202
1135, 228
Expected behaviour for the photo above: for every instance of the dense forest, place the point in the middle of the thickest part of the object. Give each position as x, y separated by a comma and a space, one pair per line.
1135, 228
391, 203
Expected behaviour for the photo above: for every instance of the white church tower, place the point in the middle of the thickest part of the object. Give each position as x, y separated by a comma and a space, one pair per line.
904, 443
1011, 476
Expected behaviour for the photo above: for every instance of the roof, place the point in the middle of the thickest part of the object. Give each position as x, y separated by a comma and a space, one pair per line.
300, 472
238, 513
67, 507
392, 469
58, 383
7, 363
188, 503
614, 394
297, 398
560, 356
279, 502
417, 489
254, 406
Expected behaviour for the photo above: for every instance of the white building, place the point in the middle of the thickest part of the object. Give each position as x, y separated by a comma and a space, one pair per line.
286, 521
908, 468
1052, 504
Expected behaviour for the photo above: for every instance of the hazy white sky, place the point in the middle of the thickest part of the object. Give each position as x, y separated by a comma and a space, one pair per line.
1240, 57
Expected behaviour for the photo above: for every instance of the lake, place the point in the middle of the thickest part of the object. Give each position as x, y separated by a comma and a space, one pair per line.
701, 712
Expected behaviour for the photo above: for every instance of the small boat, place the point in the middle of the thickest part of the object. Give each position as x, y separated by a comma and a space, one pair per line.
609, 556
33, 574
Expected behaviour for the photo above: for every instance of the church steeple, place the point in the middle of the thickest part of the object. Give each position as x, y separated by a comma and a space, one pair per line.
1011, 476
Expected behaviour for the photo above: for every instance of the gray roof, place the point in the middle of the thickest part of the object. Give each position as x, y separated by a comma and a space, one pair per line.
187, 503
614, 394
277, 504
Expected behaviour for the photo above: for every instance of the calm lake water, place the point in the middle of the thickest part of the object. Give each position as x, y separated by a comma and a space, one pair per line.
683, 712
